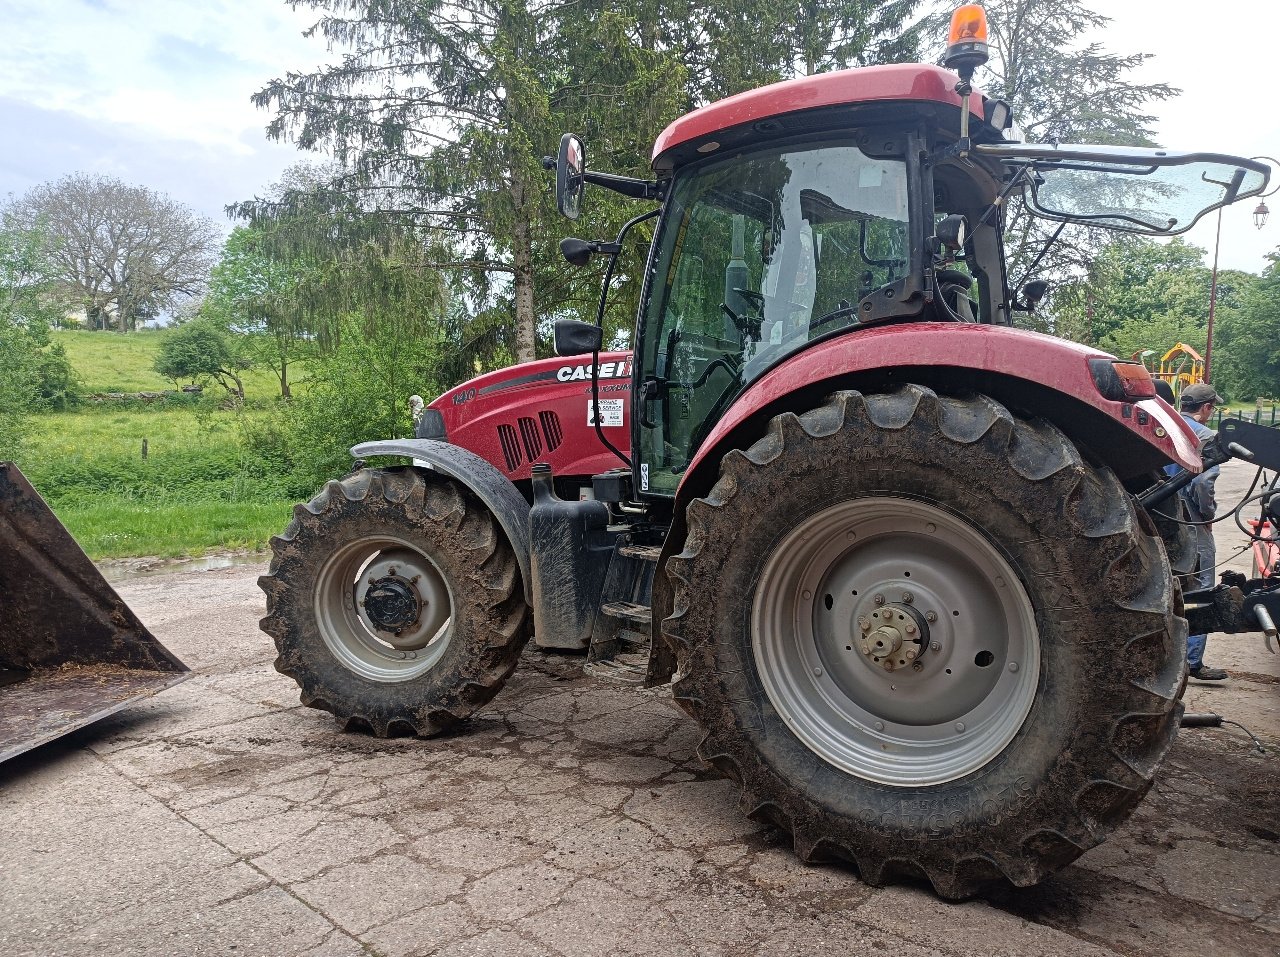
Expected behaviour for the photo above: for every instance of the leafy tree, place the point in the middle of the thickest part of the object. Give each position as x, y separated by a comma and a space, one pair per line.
440, 112
735, 46
357, 391
124, 253
34, 371
199, 350
17, 369
1136, 294
247, 295
1246, 341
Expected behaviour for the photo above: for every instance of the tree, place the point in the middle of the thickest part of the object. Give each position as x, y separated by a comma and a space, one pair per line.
247, 295
34, 370
123, 252
723, 55
199, 350
441, 111
1246, 346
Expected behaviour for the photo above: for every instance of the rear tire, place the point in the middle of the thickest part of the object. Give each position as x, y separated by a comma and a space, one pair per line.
1034, 558
452, 618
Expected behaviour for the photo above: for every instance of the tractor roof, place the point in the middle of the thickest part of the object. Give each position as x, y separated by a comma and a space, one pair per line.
901, 81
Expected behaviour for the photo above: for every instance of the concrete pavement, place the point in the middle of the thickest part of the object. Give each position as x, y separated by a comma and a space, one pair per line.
570, 817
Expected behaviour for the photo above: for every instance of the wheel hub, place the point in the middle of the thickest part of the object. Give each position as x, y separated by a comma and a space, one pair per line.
893, 636
383, 609
392, 604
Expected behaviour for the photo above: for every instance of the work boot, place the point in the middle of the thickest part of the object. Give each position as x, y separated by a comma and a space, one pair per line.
1204, 673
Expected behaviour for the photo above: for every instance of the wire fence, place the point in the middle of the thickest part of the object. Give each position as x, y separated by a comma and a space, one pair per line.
1257, 416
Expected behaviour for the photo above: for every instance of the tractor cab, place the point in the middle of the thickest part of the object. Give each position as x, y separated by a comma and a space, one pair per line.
818, 208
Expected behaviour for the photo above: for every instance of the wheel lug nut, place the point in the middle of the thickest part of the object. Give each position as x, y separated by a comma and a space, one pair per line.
888, 665
935, 646
911, 629
879, 599
908, 598
931, 616
910, 655
864, 624
917, 666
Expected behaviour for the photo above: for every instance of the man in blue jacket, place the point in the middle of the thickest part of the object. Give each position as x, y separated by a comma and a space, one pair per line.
1197, 403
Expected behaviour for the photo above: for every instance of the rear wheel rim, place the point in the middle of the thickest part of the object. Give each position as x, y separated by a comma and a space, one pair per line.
895, 641
355, 637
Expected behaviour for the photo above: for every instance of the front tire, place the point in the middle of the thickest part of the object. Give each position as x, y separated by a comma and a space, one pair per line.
927, 638
395, 602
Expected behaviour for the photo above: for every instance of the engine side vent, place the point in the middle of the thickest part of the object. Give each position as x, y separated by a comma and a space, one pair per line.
551, 429
532, 438
510, 446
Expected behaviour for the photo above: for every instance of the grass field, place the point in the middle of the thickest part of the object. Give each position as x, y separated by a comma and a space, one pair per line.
198, 490
117, 527
110, 362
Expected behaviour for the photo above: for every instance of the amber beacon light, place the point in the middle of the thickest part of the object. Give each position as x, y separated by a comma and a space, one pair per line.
967, 43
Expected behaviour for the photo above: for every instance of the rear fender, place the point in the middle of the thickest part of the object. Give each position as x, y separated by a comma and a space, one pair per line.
493, 488
1032, 373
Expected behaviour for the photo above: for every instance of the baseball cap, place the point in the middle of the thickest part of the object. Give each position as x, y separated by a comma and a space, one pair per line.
1199, 394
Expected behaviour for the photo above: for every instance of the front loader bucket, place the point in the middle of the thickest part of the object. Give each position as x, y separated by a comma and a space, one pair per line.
71, 651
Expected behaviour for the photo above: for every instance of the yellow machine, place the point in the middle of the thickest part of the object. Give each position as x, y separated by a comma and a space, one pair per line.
1181, 366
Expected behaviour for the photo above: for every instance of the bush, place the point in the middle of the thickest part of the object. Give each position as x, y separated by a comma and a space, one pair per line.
358, 392
198, 351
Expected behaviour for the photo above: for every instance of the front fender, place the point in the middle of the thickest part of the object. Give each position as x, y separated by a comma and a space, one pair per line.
490, 486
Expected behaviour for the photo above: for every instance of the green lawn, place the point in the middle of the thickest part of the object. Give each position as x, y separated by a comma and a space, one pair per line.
198, 490
110, 362
119, 527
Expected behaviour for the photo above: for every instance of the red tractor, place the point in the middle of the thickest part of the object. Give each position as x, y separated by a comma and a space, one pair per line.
904, 562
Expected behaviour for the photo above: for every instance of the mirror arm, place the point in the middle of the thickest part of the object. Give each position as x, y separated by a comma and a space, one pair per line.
626, 185
1009, 293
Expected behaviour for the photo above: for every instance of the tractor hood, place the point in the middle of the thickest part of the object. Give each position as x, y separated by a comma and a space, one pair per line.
1150, 191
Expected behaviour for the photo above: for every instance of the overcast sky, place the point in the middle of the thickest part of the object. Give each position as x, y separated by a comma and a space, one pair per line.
156, 93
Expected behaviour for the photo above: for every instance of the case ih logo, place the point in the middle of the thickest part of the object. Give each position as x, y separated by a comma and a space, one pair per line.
608, 370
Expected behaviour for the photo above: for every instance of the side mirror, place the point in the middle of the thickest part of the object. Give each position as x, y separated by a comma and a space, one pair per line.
573, 337
576, 252
1033, 292
571, 163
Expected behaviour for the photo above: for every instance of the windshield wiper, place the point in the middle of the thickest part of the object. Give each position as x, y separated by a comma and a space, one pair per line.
845, 308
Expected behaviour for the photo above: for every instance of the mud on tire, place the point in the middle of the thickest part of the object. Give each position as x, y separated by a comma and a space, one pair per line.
1100, 711
430, 533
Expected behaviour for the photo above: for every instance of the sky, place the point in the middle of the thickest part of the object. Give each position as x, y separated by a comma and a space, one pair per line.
156, 93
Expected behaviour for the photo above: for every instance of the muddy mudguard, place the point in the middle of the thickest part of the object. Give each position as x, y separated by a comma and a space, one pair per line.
493, 488
71, 651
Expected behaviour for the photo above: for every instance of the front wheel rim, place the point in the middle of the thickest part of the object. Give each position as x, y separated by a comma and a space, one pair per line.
895, 641
357, 638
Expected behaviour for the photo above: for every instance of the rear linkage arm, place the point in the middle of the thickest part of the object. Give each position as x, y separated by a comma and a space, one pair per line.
1238, 604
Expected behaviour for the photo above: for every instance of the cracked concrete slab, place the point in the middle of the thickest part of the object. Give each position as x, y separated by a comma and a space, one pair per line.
569, 817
